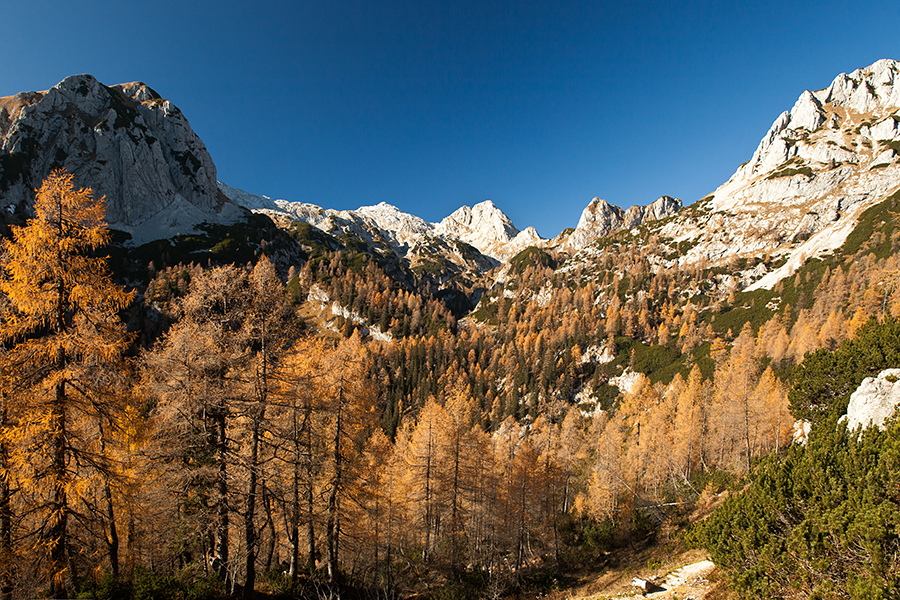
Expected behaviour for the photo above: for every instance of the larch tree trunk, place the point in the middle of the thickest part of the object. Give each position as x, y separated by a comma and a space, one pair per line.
7, 575
220, 563
333, 525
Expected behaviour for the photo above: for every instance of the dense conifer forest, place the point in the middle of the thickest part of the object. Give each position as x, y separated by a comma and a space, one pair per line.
259, 410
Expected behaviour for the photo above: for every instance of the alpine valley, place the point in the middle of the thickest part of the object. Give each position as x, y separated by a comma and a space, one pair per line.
319, 403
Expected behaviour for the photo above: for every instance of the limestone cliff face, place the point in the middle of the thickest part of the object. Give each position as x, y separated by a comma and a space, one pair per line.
601, 218
483, 227
487, 228
833, 155
125, 142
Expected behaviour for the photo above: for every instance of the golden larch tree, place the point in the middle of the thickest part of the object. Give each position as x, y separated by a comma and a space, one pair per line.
194, 376
420, 451
296, 419
60, 327
348, 407
267, 329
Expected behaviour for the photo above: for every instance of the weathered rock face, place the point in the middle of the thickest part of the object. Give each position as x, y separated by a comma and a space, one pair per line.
835, 154
601, 218
483, 227
664, 206
479, 225
125, 142
874, 401
598, 219
486, 227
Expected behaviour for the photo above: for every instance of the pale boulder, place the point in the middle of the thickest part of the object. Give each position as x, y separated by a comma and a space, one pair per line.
874, 401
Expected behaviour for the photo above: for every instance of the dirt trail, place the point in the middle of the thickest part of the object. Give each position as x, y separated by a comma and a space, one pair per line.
688, 582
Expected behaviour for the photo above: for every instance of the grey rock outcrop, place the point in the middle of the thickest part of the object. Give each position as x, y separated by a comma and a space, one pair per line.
125, 142
874, 401
600, 218
820, 165
483, 227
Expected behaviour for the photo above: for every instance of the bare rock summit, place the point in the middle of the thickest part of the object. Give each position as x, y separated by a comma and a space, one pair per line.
484, 227
820, 165
600, 218
125, 142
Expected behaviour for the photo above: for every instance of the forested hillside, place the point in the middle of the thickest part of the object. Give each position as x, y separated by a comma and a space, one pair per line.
820, 520
282, 411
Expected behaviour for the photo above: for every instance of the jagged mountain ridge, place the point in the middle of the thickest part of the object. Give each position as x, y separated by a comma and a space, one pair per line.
835, 154
124, 141
601, 218
138, 150
821, 164
484, 226
832, 156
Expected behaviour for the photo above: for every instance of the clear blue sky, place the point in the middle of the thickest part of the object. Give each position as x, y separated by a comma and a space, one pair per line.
538, 106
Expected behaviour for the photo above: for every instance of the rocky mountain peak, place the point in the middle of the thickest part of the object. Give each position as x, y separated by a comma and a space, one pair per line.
125, 142
479, 224
865, 89
660, 208
138, 91
834, 154
483, 226
400, 229
870, 94
600, 218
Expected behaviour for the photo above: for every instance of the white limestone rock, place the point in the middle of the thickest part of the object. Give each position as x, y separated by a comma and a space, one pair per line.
483, 226
626, 382
807, 113
307, 213
600, 218
867, 90
246, 199
840, 90
660, 208
874, 401
863, 99
384, 222
826, 154
813, 173
800, 432
524, 239
884, 158
389, 217
779, 152
748, 168
479, 237
127, 144
598, 355
887, 129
